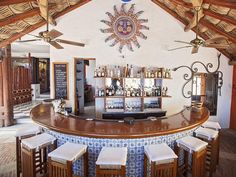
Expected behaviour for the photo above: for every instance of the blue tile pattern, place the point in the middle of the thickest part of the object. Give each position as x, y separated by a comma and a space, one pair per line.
135, 147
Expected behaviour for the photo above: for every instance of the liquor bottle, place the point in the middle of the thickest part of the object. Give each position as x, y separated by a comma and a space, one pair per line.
131, 73
102, 92
164, 73
115, 71
103, 72
128, 93
99, 92
118, 72
95, 73
152, 74
160, 73
156, 74
99, 74
111, 72
169, 74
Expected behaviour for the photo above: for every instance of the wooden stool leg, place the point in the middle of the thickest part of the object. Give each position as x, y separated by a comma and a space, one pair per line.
145, 165
97, 171
199, 163
86, 164
123, 171
152, 168
18, 157
186, 163
69, 168
218, 148
174, 172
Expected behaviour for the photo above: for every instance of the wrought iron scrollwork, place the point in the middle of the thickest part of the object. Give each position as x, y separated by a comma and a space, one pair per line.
193, 69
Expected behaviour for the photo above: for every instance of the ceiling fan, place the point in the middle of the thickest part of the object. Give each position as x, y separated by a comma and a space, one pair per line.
51, 36
219, 42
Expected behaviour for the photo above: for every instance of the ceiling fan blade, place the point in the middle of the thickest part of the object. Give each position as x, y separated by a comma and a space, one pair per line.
195, 49
218, 46
56, 45
179, 48
30, 40
54, 34
217, 40
70, 42
183, 42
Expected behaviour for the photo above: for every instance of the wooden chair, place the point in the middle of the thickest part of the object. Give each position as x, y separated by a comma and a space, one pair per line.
211, 137
34, 154
195, 148
21, 134
60, 161
215, 126
111, 162
163, 161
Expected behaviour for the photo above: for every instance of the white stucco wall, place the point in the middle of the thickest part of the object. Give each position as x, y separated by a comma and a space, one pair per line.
83, 24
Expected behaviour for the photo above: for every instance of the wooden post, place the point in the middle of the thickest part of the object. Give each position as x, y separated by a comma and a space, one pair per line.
6, 104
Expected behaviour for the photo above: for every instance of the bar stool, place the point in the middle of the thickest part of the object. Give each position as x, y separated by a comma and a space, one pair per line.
215, 126
195, 148
111, 162
211, 137
21, 134
34, 154
163, 160
60, 161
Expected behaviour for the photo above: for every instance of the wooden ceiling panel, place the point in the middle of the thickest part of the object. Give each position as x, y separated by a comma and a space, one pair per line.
219, 19
16, 19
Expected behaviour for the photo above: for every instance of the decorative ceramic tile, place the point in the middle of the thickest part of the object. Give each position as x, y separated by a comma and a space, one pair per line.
134, 166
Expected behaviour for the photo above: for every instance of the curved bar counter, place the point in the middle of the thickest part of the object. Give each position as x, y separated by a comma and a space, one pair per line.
103, 133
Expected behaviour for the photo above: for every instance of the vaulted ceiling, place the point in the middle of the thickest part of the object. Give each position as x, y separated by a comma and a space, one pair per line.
20, 17
219, 19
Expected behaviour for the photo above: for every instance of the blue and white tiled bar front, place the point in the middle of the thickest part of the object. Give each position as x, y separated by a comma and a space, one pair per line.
135, 147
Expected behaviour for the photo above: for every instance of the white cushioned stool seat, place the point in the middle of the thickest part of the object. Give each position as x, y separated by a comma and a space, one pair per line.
28, 130
110, 156
212, 125
160, 153
38, 141
68, 152
206, 133
191, 143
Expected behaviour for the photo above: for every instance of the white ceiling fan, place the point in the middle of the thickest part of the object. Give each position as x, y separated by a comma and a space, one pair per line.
219, 42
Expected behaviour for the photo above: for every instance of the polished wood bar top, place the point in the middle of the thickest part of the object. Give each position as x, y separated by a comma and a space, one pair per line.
45, 116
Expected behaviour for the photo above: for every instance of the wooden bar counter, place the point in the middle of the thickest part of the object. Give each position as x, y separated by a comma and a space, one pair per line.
109, 133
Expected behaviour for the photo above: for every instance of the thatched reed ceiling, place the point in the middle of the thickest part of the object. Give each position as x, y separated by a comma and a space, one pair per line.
19, 17
219, 19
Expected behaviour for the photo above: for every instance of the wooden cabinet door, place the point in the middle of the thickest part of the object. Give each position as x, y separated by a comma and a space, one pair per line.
233, 103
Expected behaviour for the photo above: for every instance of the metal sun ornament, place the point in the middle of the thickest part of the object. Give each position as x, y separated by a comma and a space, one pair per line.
125, 27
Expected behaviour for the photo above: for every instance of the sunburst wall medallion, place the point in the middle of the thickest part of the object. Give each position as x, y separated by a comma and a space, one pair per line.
125, 26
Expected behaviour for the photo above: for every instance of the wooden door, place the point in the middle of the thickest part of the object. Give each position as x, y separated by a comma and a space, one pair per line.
233, 103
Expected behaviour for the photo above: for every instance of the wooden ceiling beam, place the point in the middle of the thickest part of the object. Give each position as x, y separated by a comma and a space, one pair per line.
224, 3
182, 3
174, 14
219, 17
18, 17
34, 27
10, 2
213, 27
